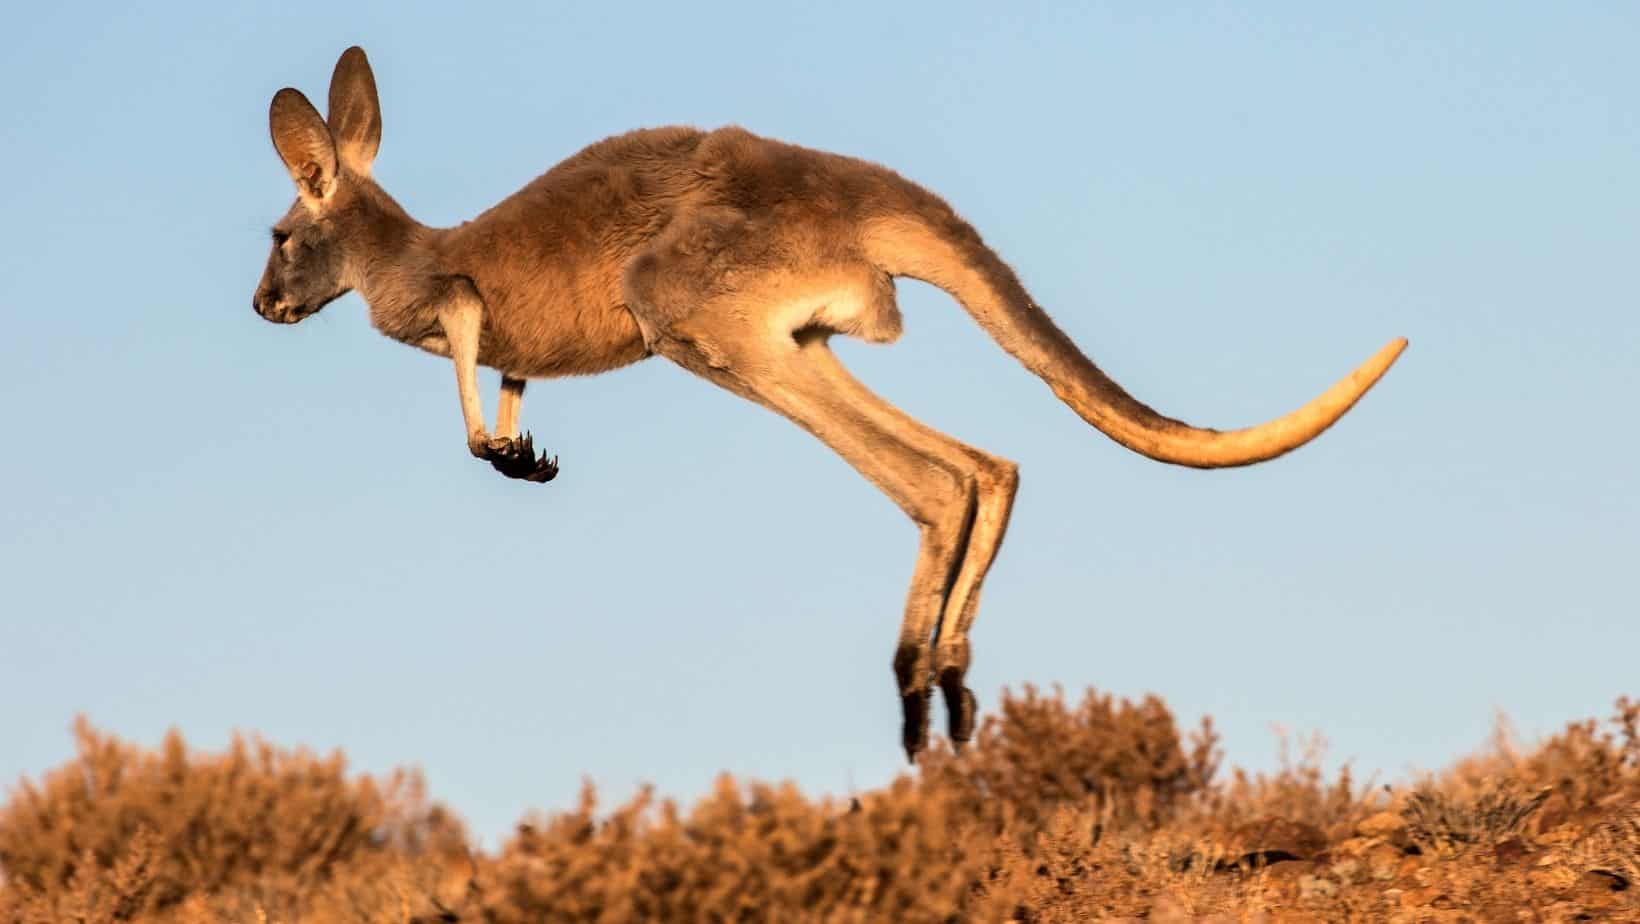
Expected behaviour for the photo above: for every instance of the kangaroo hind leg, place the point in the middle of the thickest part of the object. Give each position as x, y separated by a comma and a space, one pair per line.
990, 483
938, 497
752, 313
756, 337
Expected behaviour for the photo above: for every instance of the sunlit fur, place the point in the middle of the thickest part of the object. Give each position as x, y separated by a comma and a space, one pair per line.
736, 257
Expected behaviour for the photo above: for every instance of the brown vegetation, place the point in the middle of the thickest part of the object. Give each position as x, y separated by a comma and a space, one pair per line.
1059, 812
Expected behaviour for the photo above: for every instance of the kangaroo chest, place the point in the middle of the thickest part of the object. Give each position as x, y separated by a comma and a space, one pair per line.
567, 329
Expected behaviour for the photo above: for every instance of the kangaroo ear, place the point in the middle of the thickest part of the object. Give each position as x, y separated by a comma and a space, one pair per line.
304, 144
355, 111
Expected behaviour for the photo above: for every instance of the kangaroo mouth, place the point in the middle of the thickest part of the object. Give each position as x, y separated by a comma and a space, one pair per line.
285, 313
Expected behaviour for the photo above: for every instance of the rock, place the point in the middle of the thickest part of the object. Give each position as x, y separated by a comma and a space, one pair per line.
1168, 911
1384, 861
1386, 826
1279, 881
1316, 887
1272, 840
1383, 824
1600, 880
1510, 852
1354, 846
1420, 899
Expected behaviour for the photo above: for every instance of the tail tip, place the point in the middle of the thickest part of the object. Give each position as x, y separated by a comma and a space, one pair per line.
1392, 350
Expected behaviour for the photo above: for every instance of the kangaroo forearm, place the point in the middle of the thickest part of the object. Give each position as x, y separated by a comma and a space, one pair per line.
506, 413
461, 320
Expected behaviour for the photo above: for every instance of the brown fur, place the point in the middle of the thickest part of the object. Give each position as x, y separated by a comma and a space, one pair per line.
736, 257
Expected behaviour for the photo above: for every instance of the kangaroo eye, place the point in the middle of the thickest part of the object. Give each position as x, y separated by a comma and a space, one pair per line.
280, 237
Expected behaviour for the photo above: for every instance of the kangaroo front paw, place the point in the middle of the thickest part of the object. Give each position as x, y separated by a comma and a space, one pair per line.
515, 457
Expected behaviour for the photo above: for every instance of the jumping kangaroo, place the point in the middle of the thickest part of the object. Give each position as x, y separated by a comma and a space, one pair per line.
736, 257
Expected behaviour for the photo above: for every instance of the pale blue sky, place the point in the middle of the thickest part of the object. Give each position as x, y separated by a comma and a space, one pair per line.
213, 522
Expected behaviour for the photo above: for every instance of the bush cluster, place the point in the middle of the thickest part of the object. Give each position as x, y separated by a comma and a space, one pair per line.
1058, 812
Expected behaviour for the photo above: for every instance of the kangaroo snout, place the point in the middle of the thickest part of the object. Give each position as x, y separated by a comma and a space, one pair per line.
271, 306
264, 304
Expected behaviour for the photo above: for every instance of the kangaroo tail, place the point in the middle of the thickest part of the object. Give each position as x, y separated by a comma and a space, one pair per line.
934, 245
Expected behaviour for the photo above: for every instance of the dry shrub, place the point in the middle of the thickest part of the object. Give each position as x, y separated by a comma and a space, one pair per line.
1058, 813
1074, 871
1592, 768
1124, 761
1612, 848
93, 893
1440, 819
120, 831
1300, 792
742, 854
958, 842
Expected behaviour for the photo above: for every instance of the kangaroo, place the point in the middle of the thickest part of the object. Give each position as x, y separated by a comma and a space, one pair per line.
736, 257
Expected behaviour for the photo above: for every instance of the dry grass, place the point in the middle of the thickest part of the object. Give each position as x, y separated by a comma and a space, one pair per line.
1098, 810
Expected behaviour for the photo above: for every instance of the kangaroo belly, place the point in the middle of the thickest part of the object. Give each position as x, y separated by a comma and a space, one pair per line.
549, 340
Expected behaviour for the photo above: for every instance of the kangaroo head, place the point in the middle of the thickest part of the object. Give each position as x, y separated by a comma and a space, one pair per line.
321, 245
